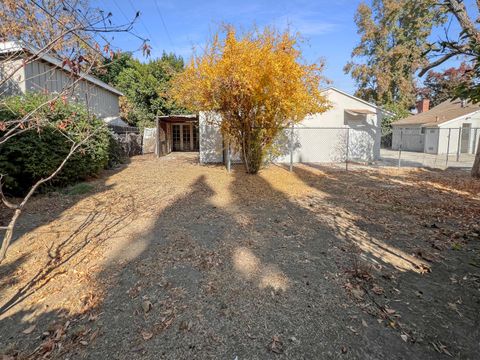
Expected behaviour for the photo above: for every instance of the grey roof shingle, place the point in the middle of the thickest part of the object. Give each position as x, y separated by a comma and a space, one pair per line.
446, 111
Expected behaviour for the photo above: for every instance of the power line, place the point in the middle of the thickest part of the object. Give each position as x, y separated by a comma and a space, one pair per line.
164, 25
143, 24
125, 16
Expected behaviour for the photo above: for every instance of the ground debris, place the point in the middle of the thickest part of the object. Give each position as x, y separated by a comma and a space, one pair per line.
276, 345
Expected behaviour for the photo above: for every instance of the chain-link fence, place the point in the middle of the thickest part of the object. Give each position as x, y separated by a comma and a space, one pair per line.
366, 145
452, 147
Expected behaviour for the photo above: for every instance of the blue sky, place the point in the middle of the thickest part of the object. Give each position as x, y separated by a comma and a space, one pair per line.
327, 25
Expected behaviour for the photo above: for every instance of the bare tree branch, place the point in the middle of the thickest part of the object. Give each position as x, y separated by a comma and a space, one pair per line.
458, 9
55, 28
438, 62
7, 238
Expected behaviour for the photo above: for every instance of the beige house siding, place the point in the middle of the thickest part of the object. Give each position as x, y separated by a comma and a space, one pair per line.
44, 77
16, 84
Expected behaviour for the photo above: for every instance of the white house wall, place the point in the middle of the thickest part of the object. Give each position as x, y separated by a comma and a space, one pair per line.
211, 140
456, 134
323, 137
435, 140
409, 137
318, 138
44, 77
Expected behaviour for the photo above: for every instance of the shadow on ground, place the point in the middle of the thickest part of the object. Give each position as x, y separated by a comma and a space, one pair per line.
236, 266
54, 255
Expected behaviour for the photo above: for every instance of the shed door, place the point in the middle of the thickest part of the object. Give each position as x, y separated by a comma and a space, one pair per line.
177, 137
182, 137
186, 137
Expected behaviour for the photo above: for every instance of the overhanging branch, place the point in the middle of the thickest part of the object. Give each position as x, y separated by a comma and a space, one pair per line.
437, 62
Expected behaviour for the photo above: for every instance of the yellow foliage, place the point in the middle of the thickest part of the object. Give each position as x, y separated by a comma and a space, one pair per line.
256, 81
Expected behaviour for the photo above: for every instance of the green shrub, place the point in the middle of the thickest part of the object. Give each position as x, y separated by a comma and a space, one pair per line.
79, 189
36, 153
116, 153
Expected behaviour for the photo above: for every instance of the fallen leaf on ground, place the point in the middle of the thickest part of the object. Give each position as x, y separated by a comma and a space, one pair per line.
352, 329
146, 306
276, 346
439, 347
146, 335
29, 330
358, 293
294, 339
389, 311
186, 325
377, 290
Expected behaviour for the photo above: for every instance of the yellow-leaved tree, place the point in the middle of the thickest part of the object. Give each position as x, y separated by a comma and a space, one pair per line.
258, 84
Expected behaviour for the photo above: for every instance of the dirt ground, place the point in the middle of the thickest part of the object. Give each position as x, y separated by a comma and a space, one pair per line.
167, 259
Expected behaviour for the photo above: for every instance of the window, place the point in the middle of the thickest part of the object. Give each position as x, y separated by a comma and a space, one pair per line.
422, 131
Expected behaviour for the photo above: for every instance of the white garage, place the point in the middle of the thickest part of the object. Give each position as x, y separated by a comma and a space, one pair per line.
450, 127
352, 127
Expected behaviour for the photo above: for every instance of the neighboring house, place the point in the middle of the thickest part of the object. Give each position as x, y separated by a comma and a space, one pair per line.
47, 74
452, 126
351, 124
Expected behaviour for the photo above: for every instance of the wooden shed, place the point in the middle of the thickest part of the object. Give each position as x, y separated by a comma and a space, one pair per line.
177, 133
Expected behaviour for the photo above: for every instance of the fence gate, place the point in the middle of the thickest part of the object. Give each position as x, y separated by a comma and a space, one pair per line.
149, 140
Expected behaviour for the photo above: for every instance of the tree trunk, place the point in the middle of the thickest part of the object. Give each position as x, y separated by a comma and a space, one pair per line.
9, 234
252, 152
476, 164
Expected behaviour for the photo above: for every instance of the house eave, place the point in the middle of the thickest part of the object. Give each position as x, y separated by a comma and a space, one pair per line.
10, 47
386, 112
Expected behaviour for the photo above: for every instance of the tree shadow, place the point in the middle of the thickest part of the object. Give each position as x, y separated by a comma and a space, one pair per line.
71, 248
37, 213
234, 265
404, 226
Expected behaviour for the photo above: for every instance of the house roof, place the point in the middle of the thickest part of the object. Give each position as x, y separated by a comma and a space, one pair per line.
9, 47
442, 113
115, 121
357, 98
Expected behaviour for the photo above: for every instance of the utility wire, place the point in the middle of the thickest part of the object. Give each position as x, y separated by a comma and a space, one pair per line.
164, 25
144, 26
126, 18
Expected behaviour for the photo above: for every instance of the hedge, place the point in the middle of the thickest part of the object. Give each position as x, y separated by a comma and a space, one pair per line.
36, 153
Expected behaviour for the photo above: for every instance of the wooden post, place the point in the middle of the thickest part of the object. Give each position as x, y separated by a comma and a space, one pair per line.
157, 137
